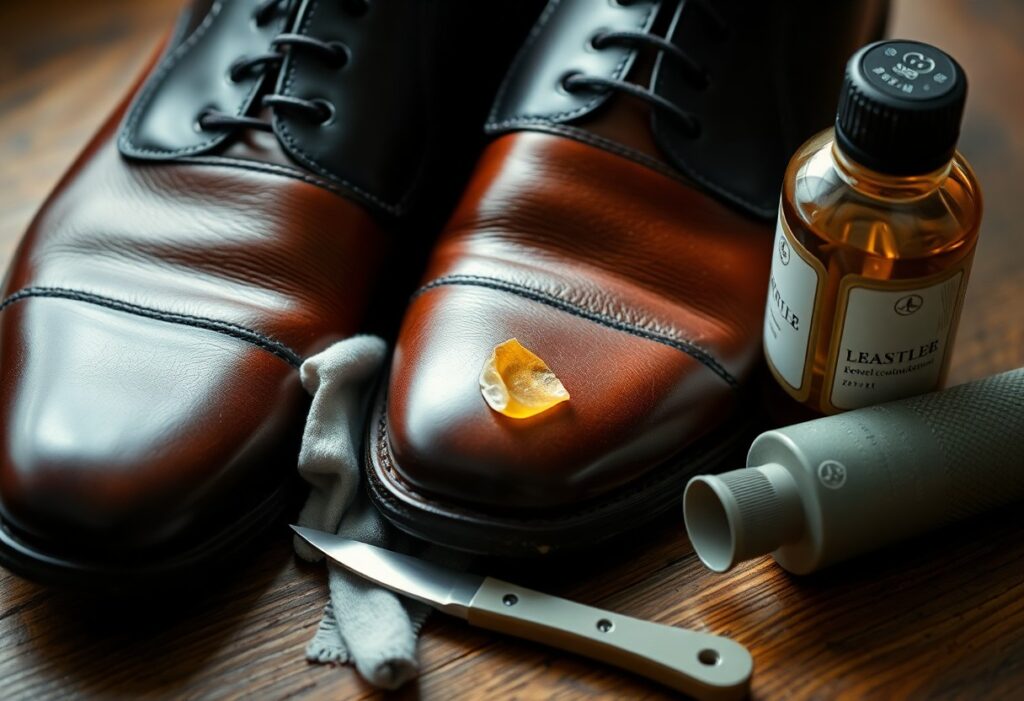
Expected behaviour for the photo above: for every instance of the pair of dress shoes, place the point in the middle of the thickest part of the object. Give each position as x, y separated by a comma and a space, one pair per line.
268, 189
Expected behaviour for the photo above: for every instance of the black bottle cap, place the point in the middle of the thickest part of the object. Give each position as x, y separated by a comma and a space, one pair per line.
900, 107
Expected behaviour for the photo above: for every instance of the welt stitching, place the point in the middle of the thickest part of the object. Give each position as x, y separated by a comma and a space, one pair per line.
281, 129
382, 442
586, 107
241, 333
688, 347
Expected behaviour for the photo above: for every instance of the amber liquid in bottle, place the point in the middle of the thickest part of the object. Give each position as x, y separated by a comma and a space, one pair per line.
887, 231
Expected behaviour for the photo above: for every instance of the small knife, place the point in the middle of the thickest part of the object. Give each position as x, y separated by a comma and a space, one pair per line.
702, 665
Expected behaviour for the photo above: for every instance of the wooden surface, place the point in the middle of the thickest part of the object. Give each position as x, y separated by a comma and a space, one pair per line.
942, 616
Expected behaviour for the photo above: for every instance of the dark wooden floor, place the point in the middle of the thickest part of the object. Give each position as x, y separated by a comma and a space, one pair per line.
941, 617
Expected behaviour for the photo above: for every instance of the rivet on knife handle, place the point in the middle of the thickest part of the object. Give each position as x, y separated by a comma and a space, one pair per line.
702, 665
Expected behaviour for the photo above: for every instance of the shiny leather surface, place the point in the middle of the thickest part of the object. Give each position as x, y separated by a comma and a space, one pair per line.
193, 77
582, 235
396, 103
560, 45
643, 296
154, 318
157, 310
122, 431
773, 68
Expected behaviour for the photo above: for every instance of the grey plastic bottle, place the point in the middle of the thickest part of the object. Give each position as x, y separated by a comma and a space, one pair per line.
826, 490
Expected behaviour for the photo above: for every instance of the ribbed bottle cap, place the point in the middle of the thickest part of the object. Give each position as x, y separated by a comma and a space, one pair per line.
900, 107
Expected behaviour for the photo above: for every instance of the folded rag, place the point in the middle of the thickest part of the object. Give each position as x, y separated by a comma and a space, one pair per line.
363, 624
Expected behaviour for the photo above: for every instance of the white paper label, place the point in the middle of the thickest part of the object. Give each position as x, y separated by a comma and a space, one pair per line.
893, 342
792, 294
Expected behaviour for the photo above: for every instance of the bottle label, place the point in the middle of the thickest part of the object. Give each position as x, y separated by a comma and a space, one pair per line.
794, 290
890, 338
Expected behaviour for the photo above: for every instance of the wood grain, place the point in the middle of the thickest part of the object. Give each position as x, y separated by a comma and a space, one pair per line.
940, 617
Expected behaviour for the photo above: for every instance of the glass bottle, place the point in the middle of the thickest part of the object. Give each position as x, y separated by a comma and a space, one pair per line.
878, 222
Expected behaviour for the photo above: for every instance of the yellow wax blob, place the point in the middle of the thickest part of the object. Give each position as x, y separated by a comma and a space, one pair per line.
518, 384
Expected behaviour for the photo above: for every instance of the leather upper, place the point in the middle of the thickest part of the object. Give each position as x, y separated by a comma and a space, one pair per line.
159, 305
396, 98
629, 261
153, 322
193, 75
241, 246
771, 80
642, 295
559, 45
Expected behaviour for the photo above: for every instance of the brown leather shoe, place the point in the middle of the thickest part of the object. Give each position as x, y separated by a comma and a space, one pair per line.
619, 226
231, 218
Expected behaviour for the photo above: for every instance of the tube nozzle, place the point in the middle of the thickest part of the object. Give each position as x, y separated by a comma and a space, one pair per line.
742, 514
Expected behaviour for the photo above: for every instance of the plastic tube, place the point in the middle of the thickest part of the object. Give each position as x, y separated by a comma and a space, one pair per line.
826, 490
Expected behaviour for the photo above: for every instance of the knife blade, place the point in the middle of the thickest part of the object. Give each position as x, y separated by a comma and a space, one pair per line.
702, 665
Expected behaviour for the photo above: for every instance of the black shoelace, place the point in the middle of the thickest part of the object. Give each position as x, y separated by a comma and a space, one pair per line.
694, 73
316, 110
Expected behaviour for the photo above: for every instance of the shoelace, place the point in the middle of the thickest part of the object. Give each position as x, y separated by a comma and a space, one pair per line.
317, 110
696, 74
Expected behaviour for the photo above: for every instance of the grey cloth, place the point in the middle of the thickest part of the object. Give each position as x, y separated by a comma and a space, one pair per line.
363, 624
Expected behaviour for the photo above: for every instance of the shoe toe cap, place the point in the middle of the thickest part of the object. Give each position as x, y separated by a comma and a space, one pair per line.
128, 430
634, 402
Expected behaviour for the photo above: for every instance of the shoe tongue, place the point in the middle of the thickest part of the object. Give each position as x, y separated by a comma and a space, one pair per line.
774, 78
744, 143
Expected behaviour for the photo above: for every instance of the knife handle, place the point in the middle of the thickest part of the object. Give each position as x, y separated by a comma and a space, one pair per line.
702, 665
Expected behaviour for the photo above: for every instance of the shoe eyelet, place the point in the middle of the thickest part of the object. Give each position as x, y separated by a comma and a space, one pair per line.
233, 76
328, 110
597, 40
342, 55
197, 123
563, 85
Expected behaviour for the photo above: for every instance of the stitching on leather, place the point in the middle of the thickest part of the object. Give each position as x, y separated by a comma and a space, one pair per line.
241, 333
586, 137
684, 175
692, 349
157, 80
263, 167
129, 148
281, 129
656, 476
566, 115
126, 137
178, 34
618, 149
520, 57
